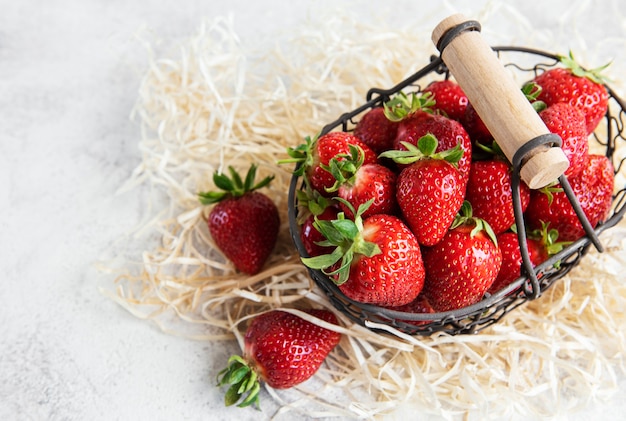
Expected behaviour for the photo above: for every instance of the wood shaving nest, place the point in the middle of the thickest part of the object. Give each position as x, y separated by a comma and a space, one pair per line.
211, 104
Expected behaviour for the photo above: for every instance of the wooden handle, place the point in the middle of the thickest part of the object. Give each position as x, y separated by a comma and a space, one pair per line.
498, 99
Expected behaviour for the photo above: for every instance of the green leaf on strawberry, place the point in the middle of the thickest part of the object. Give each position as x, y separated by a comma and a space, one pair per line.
594, 75
532, 91
233, 186
345, 166
426, 148
301, 154
243, 381
402, 105
465, 216
549, 240
310, 202
550, 190
345, 235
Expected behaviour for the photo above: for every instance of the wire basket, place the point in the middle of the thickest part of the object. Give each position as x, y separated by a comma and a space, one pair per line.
524, 63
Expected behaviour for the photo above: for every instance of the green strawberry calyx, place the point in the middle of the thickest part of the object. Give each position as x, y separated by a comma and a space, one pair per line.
402, 105
595, 75
548, 237
233, 186
492, 150
465, 217
344, 167
243, 381
310, 202
550, 189
346, 236
301, 154
426, 148
531, 91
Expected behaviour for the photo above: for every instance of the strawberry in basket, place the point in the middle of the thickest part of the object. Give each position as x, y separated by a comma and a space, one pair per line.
583, 89
375, 260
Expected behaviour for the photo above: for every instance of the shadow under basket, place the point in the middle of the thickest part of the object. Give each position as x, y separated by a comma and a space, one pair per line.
525, 64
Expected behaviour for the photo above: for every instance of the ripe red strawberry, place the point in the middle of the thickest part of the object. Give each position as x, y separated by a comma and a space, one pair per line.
593, 187
280, 349
463, 265
358, 183
569, 123
475, 127
376, 130
420, 305
581, 88
512, 258
449, 98
314, 154
429, 191
377, 260
416, 120
310, 236
490, 194
244, 223
541, 245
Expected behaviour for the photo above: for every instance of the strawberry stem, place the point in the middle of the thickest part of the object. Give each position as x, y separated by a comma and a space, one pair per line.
426, 148
346, 236
401, 106
310, 202
549, 191
243, 381
595, 75
465, 216
344, 167
531, 91
493, 149
549, 239
301, 154
233, 186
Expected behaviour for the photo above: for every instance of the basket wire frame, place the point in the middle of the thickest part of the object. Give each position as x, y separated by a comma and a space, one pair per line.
534, 280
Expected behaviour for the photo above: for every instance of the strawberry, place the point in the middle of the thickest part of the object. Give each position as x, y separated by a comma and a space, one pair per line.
490, 194
311, 205
244, 223
584, 89
420, 305
475, 127
511, 268
281, 349
377, 260
357, 183
541, 244
569, 123
430, 190
315, 154
593, 187
416, 119
463, 265
376, 130
311, 237
450, 100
